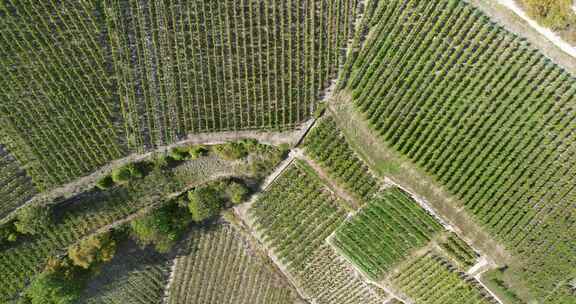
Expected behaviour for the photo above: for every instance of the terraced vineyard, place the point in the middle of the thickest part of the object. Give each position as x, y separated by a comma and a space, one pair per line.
15, 185
56, 88
222, 65
484, 113
385, 232
327, 145
216, 265
429, 279
295, 216
87, 213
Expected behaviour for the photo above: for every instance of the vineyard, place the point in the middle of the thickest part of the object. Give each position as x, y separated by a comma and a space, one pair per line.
15, 185
215, 265
326, 145
294, 217
459, 251
385, 232
84, 214
484, 113
135, 277
430, 279
222, 65
57, 94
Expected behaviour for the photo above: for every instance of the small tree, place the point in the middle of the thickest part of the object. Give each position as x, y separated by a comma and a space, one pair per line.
231, 151
161, 227
179, 154
33, 219
205, 202
105, 183
197, 151
236, 192
93, 251
124, 175
59, 283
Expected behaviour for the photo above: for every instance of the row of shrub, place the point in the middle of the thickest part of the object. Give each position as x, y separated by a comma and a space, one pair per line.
63, 279
227, 151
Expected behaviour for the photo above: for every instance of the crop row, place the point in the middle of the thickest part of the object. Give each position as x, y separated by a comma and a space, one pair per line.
86, 213
459, 250
483, 112
430, 279
16, 186
57, 96
384, 232
326, 145
134, 276
202, 66
215, 265
295, 216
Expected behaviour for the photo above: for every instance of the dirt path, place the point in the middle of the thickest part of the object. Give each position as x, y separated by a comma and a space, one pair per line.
87, 182
506, 17
386, 162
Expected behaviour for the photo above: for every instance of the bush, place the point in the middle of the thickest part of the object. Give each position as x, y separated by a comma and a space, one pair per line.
105, 183
204, 203
59, 283
33, 219
231, 151
555, 14
179, 154
197, 151
236, 192
93, 251
124, 175
8, 233
161, 228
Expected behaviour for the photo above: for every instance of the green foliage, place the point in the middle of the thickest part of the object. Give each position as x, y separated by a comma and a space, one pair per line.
236, 192
179, 153
231, 151
93, 251
555, 14
59, 283
197, 151
105, 183
125, 174
8, 233
33, 219
204, 202
162, 227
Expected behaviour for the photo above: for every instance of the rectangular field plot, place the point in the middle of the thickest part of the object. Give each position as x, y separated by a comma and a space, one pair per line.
385, 232
430, 279
215, 265
294, 217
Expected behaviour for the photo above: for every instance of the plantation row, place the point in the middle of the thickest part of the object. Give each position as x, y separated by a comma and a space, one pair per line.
15, 186
295, 216
484, 113
86, 213
430, 279
214, 265
197, 66
326, 145
133, 277
384, 232
57, 96
459, 251
85, 83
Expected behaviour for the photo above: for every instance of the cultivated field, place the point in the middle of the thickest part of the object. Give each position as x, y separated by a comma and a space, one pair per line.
484, 113
294, 217
216, 265
15, 185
